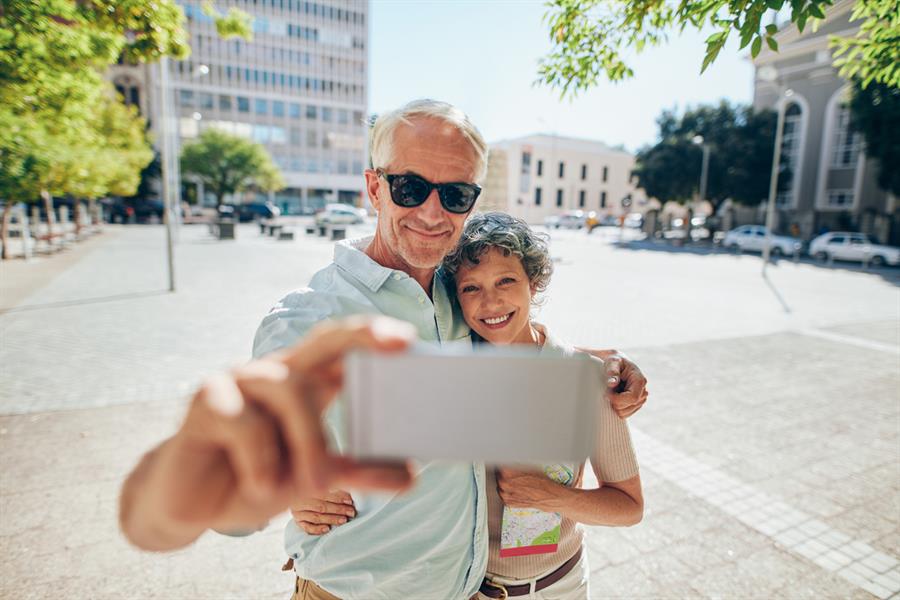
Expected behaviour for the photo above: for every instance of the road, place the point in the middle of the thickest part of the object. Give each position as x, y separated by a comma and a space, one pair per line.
769, 448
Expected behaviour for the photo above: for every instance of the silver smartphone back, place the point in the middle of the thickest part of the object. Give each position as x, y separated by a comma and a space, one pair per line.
498, 405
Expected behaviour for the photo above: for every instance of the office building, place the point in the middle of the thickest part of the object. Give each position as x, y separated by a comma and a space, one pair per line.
537, 176
299, 88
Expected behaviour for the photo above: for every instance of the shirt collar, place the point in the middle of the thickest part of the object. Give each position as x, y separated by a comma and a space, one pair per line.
349, 256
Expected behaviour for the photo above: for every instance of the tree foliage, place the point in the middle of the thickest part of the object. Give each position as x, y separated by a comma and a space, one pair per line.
875, 111
228, 164
590, 37
740, 159
65, 131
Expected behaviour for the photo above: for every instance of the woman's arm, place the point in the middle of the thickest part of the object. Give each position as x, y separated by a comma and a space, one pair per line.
615, 504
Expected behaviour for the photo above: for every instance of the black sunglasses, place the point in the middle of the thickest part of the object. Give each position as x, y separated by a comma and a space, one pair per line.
410, 191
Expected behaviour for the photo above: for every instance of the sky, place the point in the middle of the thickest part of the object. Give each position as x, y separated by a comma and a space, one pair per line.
482, 56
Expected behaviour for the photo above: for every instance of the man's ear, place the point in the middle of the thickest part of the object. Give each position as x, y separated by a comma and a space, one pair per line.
373, 184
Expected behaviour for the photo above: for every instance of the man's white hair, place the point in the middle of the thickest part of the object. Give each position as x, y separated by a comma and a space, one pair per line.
381, 137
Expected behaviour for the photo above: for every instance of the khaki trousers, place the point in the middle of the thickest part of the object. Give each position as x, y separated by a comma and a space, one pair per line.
304, 589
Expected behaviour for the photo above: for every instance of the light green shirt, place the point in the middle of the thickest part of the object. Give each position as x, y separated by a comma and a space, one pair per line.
430, 542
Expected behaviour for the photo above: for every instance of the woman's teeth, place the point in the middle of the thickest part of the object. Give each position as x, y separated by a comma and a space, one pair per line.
497, 320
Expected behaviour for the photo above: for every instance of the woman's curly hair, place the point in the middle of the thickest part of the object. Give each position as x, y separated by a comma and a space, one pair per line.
508, 234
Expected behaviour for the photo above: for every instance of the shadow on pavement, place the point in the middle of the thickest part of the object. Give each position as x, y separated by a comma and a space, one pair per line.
889, 274
64, 303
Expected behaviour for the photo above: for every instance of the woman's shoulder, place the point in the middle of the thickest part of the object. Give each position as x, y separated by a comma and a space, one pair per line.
553, 345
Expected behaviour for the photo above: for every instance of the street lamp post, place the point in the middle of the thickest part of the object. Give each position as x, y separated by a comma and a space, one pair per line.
770, 74
169, 177
704, 174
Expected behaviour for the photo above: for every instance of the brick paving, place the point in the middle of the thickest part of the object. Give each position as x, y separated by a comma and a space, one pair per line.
770, 449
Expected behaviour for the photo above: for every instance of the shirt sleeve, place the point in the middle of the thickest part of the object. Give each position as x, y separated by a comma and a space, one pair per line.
614, 457
290, 320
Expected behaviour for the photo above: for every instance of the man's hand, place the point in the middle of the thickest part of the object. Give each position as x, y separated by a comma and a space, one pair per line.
252, 442
529, 489
316, 516
627, 386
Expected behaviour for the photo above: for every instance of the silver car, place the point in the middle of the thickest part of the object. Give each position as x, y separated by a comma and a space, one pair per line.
752, 238
845, 245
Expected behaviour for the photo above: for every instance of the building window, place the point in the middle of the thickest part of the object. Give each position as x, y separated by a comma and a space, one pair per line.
790, 155
583, 172
205, 100
846, 142
243, 104
526, 163
559, 196
602, 199
261, 106
311, 139
186, 98
840, 198
311, 112
581, 199
278, 108
562, 169
537, 196
326, 114
294, 110
540, 168
224, 102
605, 174
343, 119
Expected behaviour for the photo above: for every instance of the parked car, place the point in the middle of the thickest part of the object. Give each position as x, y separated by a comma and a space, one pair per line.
573, 219
752, 238
634, 221
844, 245
132, 210
255, 211
338, 214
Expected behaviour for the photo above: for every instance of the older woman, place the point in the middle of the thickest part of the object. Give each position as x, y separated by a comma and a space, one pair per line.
499, 267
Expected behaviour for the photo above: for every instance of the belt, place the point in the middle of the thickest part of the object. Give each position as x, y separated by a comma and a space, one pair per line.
498, 590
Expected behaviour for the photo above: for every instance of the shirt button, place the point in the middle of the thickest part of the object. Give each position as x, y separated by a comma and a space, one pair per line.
421, 300
397, 275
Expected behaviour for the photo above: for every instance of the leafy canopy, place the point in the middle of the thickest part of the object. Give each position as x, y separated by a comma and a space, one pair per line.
228, 164
875, 113
740, 142
590, 37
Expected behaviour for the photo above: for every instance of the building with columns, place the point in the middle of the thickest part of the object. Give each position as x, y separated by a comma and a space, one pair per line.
299, 88
832, 184
536, 176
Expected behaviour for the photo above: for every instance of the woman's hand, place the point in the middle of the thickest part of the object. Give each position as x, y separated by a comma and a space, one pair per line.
317, 516
530, 489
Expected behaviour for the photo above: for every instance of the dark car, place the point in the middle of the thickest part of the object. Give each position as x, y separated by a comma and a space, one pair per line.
255, 211
132, 210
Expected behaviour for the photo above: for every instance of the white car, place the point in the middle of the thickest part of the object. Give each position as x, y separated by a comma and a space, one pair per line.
338, 214
844, 245
567, 220
753, 238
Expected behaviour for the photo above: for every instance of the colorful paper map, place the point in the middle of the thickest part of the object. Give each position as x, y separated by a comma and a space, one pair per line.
530, 531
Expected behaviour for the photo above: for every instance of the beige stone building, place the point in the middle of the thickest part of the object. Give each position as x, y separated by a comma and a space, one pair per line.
832, 182
536, 176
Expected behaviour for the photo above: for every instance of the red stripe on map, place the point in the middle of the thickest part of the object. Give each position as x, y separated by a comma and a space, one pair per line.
526, 550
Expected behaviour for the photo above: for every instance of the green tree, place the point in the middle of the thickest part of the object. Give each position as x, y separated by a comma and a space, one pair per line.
227, 164
875, 114
740, 157
590, 37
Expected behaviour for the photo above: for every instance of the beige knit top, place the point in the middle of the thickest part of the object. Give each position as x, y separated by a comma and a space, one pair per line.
614, 461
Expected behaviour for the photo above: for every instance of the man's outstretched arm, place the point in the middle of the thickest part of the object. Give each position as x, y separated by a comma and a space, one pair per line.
252, 441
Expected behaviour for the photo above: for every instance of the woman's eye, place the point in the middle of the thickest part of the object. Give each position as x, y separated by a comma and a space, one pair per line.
507, 280
469, 288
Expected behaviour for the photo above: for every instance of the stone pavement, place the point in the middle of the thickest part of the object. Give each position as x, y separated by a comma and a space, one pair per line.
770, 448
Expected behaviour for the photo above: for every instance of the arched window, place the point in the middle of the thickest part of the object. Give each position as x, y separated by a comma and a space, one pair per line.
789, 174
845, 145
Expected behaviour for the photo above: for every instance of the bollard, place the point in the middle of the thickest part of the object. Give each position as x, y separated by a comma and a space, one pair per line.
338, 233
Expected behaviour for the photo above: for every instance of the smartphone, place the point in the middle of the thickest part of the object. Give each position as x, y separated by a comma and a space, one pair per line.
497, 405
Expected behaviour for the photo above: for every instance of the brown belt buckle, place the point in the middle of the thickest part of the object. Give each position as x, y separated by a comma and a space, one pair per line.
503, 593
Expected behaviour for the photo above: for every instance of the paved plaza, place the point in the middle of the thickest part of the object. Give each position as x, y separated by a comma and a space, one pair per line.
769, 449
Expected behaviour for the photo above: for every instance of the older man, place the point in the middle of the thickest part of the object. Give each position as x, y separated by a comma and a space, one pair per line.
431, 541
